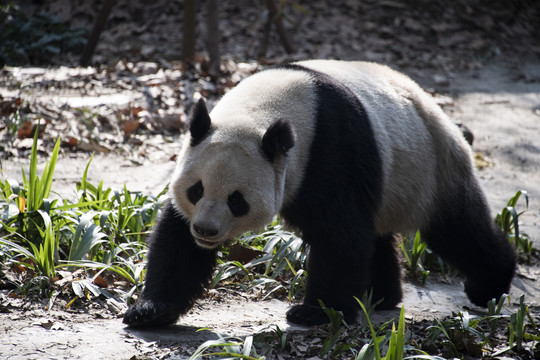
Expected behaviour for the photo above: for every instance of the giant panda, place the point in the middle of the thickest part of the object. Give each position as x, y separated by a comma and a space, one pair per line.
349, 154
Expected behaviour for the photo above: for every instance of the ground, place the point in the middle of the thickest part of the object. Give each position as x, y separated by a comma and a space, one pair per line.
497, 98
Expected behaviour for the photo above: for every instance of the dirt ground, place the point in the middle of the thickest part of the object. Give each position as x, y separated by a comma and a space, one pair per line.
499, 101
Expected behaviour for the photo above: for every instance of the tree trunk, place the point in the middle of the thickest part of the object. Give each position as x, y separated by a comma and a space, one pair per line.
188, 39
279, 26
213, 36
88, 51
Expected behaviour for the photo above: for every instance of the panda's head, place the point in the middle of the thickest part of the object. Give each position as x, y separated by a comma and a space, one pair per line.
229, 179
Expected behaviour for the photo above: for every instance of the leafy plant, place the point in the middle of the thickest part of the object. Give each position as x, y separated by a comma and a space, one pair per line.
103, 231
494, 311
508, 221
461, 334
370, 306
34, 40
279, 267
281, 337
227, 347
414, 251
518, 327
335, 330
395, 339
396, 344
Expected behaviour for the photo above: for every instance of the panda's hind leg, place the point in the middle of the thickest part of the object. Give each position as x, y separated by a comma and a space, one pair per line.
463, 234
386, 273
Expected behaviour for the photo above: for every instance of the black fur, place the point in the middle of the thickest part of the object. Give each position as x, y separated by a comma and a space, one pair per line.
195, 192
178, 271
336, 203
386, 273
237, 204
463, 234
278, 139
199, 122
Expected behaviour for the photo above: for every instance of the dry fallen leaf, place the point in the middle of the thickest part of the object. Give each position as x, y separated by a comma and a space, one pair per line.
100, 281
25, 131
242, 254
130, 127
45, 324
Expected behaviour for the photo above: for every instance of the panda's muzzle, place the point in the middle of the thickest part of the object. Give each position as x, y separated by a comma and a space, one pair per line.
206, 237
205, 232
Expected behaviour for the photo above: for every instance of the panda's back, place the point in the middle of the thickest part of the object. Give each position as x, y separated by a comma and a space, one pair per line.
406, 146
410, 130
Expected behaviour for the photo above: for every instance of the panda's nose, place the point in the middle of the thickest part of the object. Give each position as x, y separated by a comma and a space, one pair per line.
205, 232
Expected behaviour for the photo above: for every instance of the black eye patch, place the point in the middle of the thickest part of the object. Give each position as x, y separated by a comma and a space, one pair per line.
237, 204
195, 192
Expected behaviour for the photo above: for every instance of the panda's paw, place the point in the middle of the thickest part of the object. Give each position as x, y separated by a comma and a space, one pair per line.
480, 292
147, 313
307, 315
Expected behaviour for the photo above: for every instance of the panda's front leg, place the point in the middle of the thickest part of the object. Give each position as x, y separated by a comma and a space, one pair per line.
177, 272
338, 271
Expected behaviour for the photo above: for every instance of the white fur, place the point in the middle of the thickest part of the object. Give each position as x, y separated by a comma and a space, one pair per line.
412, 133
231, 158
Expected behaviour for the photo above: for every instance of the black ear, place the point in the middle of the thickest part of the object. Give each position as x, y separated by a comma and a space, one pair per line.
278, 139
199, 122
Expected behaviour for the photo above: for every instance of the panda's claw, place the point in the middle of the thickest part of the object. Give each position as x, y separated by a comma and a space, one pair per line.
150, 314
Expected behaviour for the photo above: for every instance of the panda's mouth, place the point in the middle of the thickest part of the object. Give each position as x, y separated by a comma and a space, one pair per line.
207, 244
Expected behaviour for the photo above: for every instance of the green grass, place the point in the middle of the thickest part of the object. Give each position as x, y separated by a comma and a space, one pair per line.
101, 236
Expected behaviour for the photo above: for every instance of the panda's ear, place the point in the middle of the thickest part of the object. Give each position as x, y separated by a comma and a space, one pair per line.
199, 122
278, 139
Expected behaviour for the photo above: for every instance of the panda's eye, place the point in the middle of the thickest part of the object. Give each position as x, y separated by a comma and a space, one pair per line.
195, 192
237, 204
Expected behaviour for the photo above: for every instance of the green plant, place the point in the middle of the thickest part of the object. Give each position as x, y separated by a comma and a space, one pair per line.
517, 330
517, 326
14, 119
336, 328
227, 347
41, 258
508, 221
270, 343
24, 219
370, 306
413, 251
39, 189
395, 339
461, 334
34, 40
494, 311
396, 344
279, 267
281, 337
104, 231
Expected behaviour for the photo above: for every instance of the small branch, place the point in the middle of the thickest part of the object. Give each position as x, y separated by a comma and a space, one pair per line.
88, 52
279, 26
